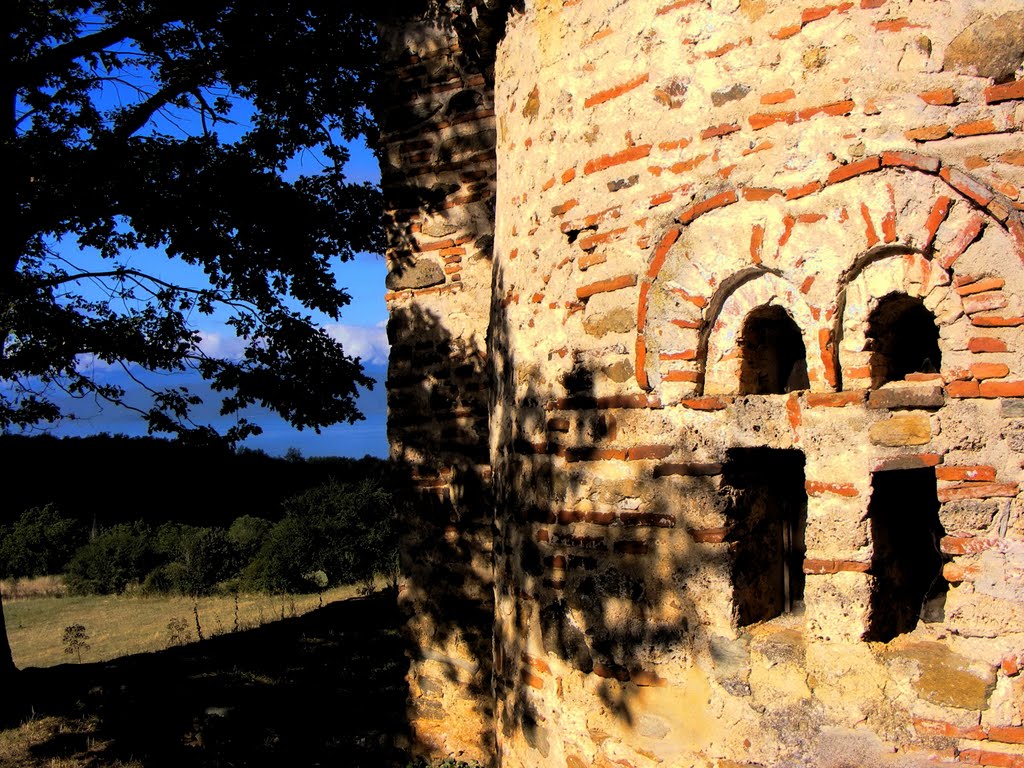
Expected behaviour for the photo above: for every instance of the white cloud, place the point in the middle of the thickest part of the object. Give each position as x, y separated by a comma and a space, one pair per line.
87, 363
223, 345
370, 343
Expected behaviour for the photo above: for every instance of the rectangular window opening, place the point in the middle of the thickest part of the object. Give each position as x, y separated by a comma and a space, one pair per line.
907, 561
767, 520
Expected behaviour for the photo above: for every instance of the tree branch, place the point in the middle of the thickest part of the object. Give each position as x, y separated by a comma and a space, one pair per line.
139, 114
139, 278
53, 282
58, 57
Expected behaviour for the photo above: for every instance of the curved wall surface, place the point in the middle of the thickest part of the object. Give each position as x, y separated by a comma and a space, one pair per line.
756, 427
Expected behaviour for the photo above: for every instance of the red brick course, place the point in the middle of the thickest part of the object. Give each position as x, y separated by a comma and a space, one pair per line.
1002, 388
719, 130
965, 238
938, 215
834, 399
608, 161
967, 185
928, 133
989, 758
977, 491
982, 344
850, 170
980, 286
822, 567
965, 545
778, 97
974, 473
911, 160
604, 286
962, 389
705, 404
699, 209
975, 128
990, 371
607, 95
1004, 92
820, 488
709, 535
942, 97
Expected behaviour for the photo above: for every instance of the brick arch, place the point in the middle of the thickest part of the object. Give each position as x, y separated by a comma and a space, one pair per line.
902, 272
988, 208
733, 303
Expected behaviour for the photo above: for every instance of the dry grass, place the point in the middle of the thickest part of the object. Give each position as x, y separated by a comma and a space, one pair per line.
54, 742
124, 625
35, 586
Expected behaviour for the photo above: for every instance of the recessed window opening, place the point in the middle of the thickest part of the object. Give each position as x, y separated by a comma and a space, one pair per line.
907, 562
767, 518
774, 356
903, 338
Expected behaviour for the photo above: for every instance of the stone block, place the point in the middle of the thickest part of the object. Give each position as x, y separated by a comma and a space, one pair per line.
892, 398
991, 47
943, 677
421, 274
732, 93
620, 320
902, 429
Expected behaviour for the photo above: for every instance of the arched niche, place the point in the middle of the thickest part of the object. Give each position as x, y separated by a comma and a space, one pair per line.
895, 293
773, 357
903, 339
764, 311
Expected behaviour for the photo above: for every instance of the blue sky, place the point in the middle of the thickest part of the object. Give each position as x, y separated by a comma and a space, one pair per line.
361, 331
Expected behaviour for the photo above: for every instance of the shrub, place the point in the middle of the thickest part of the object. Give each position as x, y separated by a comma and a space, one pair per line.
178, 632
109, 563
195, 559
358, 526
75, 640
36, 586
335, 533
246, 535
288, 560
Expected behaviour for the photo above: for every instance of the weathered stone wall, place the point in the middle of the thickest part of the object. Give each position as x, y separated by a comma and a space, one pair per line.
674, 178
438, 170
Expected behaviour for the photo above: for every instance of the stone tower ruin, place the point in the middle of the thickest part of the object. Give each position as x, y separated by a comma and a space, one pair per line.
707, 325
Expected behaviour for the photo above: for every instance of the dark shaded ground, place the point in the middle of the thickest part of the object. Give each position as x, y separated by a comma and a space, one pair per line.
323, 689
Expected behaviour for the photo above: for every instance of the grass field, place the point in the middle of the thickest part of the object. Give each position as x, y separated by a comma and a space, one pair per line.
324, 688
123, 625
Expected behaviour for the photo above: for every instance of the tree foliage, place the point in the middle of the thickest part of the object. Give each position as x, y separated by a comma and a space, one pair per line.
334, 533
113, 560
39, 543
247, 534
149, 469
196, 559
174, 125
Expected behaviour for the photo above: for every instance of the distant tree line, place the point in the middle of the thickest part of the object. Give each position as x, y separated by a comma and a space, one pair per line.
333, 533
114, 479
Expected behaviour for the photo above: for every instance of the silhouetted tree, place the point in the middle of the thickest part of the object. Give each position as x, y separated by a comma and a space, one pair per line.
170, 125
